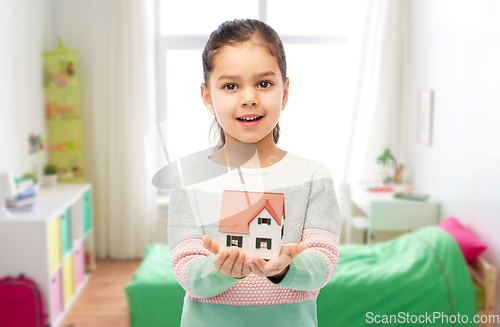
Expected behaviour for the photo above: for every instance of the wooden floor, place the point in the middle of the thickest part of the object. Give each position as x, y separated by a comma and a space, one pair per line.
102, 302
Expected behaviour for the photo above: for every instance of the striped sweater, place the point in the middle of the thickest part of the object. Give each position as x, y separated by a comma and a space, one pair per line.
312, 215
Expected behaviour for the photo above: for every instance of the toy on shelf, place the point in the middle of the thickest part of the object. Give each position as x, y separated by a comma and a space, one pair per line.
252, 222
61, 66
64, 121
72, 166
72, 170
64, 107
61, 83
64, 146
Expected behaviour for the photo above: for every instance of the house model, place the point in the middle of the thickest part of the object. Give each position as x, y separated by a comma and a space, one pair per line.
252, 222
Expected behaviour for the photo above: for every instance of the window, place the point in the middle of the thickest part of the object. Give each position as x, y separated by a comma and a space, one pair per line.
263, 243
318, 61
264, 221
234, 241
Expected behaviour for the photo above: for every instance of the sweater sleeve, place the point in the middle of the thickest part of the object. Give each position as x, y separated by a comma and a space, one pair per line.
314, 267
193, 267
192, 264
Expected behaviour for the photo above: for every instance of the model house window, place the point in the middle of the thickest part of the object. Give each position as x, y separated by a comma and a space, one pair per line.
282, 231
264, 221
263, 243
234, 241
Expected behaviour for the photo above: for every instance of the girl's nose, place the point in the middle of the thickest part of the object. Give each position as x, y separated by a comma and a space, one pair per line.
249, 97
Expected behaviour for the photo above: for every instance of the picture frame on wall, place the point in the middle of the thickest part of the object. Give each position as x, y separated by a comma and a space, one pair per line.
424, 117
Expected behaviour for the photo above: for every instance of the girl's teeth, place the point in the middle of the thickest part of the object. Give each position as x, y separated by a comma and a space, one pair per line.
249, 119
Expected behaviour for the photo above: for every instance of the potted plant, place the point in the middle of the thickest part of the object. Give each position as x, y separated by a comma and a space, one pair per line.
49, 178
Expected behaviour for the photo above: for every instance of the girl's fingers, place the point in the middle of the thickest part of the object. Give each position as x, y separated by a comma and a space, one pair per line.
207, 241
238, 266
259, 263
212, 246
227, 266
270, 268
256, 270
257, 266
298, 249
279, 264
220, 259
293, 250
246, 269
253, 267
232, 264
272, 265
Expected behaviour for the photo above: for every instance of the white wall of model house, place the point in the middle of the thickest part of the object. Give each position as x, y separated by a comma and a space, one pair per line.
256, 230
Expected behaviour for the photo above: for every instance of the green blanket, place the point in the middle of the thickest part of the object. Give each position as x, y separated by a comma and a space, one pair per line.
416, 274
154, 296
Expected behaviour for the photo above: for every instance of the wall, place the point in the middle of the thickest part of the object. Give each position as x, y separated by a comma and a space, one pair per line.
24, 36
6, 87
454, 49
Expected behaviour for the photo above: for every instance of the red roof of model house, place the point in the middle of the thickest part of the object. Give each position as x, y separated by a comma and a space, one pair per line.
239, 208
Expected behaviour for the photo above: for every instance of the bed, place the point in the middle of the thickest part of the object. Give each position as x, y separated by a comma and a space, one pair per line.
419, 273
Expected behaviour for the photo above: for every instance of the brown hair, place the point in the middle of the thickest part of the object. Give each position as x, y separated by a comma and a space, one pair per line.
234, 32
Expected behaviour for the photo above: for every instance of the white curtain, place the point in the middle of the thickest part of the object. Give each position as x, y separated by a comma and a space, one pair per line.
377, 98
121, 115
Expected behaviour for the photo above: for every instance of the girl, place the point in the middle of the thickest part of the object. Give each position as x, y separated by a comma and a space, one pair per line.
245, 88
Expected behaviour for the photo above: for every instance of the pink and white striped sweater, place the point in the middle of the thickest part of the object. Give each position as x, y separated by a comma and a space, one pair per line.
312, 216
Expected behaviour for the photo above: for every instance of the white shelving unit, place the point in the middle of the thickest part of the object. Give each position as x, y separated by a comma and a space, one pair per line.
48, 245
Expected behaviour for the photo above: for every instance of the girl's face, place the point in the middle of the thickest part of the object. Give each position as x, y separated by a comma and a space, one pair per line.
245, 80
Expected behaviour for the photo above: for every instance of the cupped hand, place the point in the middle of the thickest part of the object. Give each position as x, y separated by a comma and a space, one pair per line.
276, 268
230, 264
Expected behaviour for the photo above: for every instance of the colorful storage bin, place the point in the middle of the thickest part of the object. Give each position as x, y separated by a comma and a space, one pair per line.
77, 220
87, 212
56, 305
54, 239
66, 233
79, 265
67, 276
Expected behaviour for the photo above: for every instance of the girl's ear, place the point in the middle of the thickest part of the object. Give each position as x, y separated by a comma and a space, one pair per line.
285, 94
207, 99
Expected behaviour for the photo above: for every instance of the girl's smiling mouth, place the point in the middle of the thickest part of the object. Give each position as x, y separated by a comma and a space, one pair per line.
250, 120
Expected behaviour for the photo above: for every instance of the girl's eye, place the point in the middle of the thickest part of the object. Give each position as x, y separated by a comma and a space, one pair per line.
265, 84
229, 87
